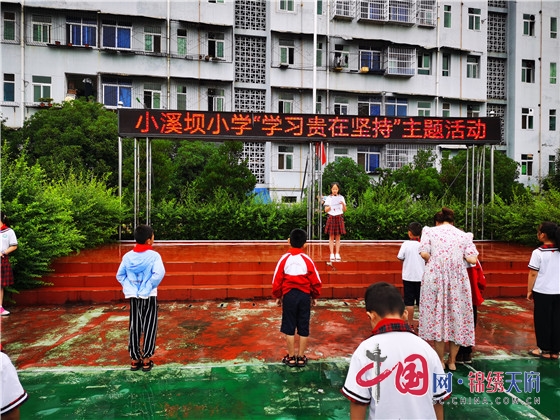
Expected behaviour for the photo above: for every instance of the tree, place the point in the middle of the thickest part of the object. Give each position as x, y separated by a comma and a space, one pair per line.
420, 178
506, 173
552, 180
76, 134
353, 179
228, 172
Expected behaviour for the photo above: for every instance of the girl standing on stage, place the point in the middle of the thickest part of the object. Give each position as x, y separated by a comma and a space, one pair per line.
335, 206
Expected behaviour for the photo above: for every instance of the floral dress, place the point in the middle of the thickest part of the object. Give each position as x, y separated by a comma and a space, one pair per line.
445, 310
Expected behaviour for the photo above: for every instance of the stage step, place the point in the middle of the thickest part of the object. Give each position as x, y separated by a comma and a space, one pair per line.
226, 270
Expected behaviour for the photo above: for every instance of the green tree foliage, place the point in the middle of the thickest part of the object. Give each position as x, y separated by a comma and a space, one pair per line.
419, 179
506, 175
353, 179
52, 219
552, 180
226, 171
76, 134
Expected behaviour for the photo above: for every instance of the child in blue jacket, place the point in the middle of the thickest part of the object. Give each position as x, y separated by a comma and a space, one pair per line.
140, 273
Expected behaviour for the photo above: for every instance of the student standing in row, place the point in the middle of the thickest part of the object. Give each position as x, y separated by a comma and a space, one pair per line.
296, 284
8, 244
412, 269
544, 289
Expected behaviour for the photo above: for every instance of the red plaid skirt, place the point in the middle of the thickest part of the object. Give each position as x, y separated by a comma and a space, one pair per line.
6, 274
335, 225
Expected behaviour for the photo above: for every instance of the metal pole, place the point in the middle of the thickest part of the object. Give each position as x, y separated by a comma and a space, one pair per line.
148, 179
120, 181
136, 163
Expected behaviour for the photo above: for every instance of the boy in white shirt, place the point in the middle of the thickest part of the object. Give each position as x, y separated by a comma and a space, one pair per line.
412, 269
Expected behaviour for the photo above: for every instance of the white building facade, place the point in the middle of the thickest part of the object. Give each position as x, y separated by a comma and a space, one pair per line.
354, 57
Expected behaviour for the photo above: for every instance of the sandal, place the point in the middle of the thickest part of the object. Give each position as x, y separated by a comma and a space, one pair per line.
147, 366
302, 361
135, 365
289, 360
554, 356
542, 354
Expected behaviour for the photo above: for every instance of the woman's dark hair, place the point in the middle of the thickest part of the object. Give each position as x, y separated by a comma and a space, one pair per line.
551, 230
445, 215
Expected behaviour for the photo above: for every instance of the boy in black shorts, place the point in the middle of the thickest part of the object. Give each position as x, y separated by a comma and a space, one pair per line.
296, 284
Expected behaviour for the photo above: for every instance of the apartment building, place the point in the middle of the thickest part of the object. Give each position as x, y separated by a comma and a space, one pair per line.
346, 57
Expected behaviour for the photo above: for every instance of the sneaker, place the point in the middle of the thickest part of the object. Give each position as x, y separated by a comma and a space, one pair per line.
3, 311
333, 258
337, 257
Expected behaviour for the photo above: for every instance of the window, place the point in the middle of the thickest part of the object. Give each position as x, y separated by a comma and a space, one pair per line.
116, 34
285, 157
216, 45
340, 106
370, 59
529, 25
446, 109
447, 16
552, 120
401, 61
152, 95
216, 99
287, 5
81, 31
289, 199
528, 71
117, 92
182, 41
286, 52
369, 158
473, 111
215, 1
401, 10
424, 63
424, 109
152, 39
395, 107
42, 27
552, 73
319, 55
182, 97
41, 88
446, 65
9, 26
9, 87
473, 67
474, 19
527, 118
340, 56
370, 106
527, 165
319, 105
553, 27
319, 7
285, 104
551, 164
340, 152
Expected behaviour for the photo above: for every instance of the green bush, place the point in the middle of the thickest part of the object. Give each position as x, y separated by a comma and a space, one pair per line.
53, 219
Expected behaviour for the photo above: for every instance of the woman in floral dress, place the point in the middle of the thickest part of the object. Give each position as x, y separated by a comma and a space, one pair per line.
446, 313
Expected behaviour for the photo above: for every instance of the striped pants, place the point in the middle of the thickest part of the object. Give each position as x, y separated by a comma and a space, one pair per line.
143, 319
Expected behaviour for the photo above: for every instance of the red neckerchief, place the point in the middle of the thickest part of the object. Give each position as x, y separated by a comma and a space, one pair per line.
390, 325
3, 227
416, 239
141, 247
549, 246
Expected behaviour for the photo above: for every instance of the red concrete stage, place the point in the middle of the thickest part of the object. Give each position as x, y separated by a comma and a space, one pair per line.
204, 270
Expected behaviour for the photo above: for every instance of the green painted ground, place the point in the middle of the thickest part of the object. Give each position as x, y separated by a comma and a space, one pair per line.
271, 391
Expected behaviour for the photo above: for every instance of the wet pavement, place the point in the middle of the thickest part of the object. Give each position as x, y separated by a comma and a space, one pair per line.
221, 360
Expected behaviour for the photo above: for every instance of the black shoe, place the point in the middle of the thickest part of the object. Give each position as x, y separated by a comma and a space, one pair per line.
467, 358
459, 358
